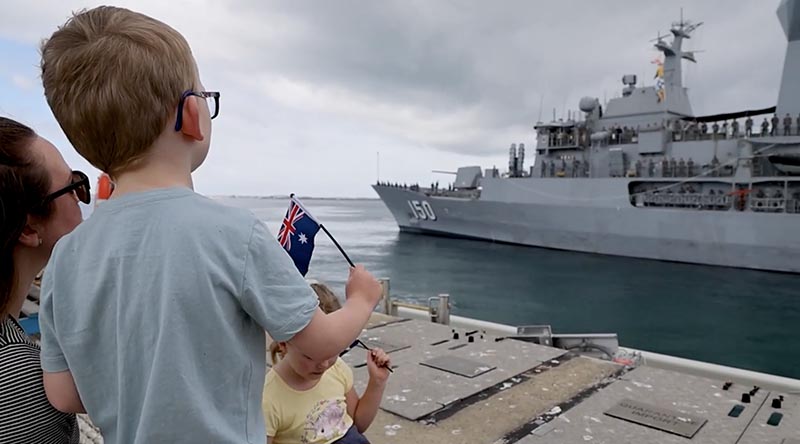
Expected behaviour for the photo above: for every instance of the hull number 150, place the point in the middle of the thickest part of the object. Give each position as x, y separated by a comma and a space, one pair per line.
421, 210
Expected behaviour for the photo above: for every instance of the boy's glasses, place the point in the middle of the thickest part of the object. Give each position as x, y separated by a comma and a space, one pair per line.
79, 184
213, 106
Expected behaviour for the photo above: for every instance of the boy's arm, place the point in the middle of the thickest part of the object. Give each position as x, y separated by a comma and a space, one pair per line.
327, 335
59, 385
273, 293
281, 301
62, 393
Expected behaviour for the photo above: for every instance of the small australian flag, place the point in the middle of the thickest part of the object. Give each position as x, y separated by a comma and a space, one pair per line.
296, 235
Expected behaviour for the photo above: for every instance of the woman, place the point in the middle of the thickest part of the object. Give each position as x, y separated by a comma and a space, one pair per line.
39, 197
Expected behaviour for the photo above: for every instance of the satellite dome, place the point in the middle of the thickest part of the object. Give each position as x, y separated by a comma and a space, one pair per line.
588, 104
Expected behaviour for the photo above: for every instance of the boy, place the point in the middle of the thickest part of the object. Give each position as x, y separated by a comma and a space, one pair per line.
153, 311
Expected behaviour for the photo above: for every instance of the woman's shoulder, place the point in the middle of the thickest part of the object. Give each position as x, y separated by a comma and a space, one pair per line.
12, 333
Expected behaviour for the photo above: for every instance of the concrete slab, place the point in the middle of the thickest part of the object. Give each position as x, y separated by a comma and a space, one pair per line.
379, 320
490, 419
415, 391
459, 366
414, 334
699, 397
787, 431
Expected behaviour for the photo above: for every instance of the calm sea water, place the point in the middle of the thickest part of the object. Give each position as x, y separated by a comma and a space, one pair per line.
741, 318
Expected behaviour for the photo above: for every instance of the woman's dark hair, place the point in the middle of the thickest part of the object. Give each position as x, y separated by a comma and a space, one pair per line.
24, 183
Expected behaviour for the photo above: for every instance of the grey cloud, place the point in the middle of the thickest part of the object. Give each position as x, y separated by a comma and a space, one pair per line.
502, 58
440, 79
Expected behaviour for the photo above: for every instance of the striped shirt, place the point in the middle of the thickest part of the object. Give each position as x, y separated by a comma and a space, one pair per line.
25, 414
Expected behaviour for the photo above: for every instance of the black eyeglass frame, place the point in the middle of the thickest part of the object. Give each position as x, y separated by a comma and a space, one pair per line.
203, 95
81, 182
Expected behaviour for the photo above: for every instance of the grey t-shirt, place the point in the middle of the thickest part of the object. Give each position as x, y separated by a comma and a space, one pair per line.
158, 304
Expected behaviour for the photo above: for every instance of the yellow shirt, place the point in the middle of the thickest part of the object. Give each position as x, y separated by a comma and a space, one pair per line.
314, 416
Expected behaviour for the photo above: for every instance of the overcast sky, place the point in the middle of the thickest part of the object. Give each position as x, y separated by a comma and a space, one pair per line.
313, 90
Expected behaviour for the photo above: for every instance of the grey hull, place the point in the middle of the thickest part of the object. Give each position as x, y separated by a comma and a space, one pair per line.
531, 214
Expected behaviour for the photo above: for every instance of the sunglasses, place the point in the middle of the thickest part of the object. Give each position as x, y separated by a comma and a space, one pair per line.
79, 183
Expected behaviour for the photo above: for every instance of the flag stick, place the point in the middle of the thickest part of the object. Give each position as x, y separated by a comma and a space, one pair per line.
361, 343
337, 245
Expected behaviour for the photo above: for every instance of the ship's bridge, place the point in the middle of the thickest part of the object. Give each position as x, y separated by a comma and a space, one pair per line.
561, 135
642, 106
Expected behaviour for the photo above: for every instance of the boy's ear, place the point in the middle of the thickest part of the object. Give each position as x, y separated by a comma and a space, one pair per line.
190, 126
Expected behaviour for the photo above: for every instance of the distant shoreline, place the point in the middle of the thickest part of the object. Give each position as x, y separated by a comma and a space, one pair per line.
278, 197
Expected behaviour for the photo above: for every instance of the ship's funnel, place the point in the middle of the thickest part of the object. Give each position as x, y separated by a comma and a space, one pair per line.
789, 96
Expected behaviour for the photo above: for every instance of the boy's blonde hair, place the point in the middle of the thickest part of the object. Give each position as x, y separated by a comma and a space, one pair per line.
113, 79
328, 303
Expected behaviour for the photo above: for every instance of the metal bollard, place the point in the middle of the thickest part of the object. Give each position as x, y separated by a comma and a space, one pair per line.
440, 312
388, 307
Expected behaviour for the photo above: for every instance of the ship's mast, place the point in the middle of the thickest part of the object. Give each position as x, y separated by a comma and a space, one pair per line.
789, 95
673, 53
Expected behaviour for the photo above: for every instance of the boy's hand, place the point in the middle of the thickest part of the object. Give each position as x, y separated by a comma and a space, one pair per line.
363, 286
378, 364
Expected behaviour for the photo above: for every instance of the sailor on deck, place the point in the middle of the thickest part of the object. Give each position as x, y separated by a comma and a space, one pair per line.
748, 126
798, 124
787, 125
774, 129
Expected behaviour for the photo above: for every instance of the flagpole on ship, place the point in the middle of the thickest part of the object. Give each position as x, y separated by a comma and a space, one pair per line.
341, 250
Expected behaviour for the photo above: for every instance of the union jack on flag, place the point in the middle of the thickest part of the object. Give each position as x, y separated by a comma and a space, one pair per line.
296, 235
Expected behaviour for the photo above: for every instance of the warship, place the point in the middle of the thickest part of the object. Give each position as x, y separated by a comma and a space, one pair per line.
640, 176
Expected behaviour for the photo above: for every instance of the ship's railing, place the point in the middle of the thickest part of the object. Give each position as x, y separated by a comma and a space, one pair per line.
693, 132
464, 194
687, 200
659, 170
768, 204
716, 202
569, 170
774, 205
